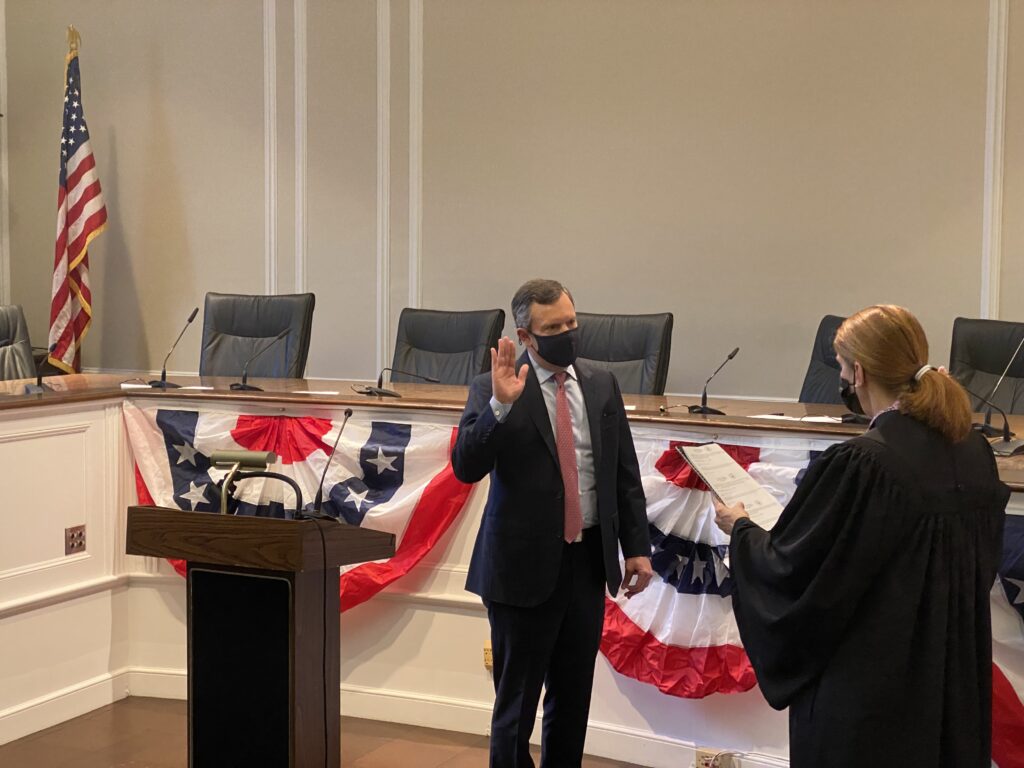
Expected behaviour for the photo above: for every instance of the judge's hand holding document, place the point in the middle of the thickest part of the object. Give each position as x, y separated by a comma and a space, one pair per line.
726, 516
865, 609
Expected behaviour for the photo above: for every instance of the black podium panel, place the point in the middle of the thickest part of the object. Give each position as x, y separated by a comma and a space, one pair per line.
240, 646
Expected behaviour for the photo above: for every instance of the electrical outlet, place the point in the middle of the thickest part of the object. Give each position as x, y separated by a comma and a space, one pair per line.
488, 658
713, 758
705, 758
74, 540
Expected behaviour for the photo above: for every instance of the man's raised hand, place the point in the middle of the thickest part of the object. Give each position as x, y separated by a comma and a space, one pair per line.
506, 384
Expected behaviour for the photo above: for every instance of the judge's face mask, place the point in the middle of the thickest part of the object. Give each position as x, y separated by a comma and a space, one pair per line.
847, 391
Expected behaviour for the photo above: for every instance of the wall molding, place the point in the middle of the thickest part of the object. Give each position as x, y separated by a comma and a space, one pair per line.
383, 181
36, 433
301, 159
415, 152
81, 589
270, 145
5, 196
995, 126
435, 601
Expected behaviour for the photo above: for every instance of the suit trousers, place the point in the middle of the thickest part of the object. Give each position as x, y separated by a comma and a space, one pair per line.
554, 645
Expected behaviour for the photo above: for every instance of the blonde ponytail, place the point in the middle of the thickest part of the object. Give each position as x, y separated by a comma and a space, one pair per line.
937, 400
891, 347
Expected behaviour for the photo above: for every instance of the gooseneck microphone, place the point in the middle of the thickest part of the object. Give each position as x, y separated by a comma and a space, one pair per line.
987, 429
379, 390
244, 385
38, 388
703, 407
163, 383
1006, 446
318, 501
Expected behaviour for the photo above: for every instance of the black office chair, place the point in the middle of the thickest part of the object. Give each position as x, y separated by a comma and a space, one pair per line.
450, 346
236, 327
979, 353
15, 349
635, 348
821, 382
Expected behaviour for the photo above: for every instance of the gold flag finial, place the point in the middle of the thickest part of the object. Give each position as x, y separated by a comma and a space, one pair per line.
74, 40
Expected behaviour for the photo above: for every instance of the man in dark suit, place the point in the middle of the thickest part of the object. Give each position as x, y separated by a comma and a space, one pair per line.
565, 494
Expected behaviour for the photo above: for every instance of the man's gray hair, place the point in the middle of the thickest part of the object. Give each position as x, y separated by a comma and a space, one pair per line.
537, 291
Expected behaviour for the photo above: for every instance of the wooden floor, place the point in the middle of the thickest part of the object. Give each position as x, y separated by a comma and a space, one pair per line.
150, 733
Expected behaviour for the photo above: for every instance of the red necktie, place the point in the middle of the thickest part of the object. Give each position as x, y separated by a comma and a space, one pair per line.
567, 460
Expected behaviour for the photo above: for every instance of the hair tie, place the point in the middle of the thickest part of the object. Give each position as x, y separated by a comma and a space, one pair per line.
922, 371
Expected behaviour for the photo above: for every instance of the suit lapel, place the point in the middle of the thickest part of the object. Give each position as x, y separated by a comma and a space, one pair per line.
534, 401
592, 402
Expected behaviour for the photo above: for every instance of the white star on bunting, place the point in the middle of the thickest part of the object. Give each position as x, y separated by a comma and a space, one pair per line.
187, 453
383, 463
698, 569
721, 572
681, 566
196, 495
357, 498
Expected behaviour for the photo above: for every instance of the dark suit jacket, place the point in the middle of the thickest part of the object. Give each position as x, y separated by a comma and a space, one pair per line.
520, 544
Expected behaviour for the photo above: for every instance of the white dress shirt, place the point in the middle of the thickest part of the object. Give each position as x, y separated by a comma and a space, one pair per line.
580, 431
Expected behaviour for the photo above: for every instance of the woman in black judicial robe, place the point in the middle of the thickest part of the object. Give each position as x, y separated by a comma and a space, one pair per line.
865, 610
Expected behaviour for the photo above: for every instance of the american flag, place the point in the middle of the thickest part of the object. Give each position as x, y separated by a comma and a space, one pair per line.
81, 216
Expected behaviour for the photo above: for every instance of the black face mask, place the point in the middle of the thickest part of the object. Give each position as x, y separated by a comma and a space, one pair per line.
850, 399
559, 349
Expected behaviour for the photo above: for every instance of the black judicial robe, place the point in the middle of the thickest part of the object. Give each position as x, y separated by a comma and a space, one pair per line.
865, 610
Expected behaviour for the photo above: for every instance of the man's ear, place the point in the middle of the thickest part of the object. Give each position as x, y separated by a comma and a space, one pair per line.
523, 336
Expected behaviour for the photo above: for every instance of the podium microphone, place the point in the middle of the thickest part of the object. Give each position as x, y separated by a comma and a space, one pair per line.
379, 390
163, 383
244, 386
318, 501
703, 407
38, 388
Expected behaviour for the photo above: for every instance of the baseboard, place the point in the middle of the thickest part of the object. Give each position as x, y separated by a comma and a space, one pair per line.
607, 740
56, 707
158, 683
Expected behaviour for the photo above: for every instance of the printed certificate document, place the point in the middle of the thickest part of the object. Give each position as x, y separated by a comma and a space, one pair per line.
731, 483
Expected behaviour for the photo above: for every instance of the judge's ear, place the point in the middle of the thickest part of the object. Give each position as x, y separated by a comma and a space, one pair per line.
859, 377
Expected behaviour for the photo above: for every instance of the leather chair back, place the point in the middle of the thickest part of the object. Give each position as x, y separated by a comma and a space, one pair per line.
450, 346
236, 327
15, 348
979, 353
821, 382
635, 348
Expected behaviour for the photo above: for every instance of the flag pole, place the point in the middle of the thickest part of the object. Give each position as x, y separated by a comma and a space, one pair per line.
74, 40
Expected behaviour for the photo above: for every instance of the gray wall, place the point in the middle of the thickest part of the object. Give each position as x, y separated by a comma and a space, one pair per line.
748, 166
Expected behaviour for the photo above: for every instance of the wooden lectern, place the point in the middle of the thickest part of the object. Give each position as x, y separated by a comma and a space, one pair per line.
264, 673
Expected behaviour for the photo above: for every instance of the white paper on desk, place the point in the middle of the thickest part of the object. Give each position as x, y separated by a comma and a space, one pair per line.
133, 385
197, 386
313, 392
811, 419
731, 483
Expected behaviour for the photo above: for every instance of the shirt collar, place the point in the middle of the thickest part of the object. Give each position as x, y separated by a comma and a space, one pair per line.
543, 374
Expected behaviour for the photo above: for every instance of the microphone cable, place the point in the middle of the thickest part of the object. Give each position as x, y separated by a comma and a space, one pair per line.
323, 644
